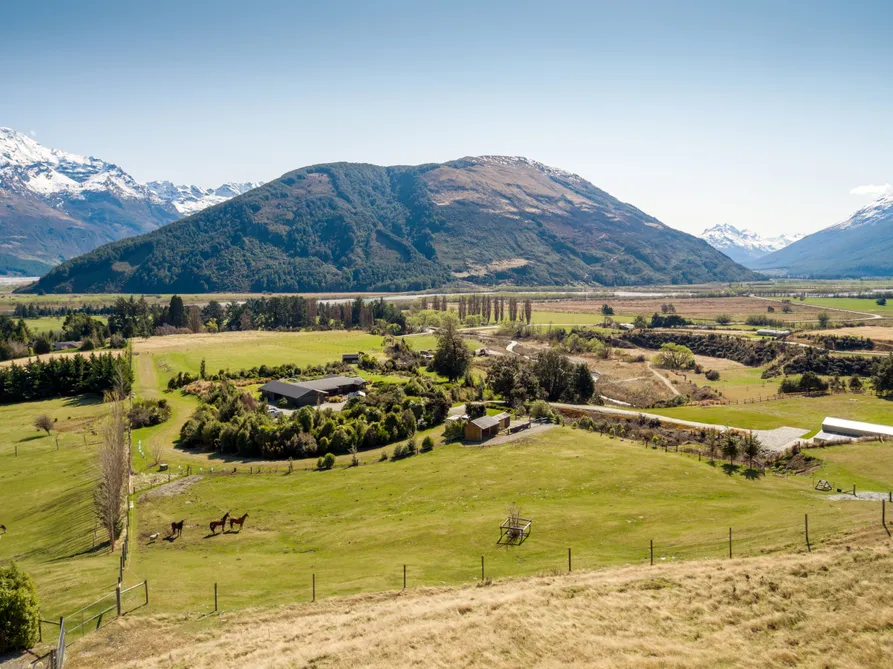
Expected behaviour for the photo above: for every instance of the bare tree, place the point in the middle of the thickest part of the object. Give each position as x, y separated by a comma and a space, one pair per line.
43, 422
157, 451
195, 318
112, 470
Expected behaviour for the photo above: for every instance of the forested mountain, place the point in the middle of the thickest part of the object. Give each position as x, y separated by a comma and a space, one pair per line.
56, 205
860, 246
344, 226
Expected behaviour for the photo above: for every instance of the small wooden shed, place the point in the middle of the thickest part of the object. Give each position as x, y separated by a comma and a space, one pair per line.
482, 428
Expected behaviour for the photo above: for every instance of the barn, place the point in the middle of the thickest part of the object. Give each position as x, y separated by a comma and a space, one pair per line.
481, 429
310, 393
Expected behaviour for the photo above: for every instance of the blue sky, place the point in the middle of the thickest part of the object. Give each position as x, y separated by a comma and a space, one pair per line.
760, 114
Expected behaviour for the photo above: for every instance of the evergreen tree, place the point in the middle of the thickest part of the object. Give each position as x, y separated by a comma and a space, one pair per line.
452, 357
177, 312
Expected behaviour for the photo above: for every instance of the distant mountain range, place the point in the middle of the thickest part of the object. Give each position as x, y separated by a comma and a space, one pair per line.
860, 246
56, 205
744, 246
487, 220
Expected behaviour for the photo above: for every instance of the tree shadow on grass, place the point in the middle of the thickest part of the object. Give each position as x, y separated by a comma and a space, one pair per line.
83, 401
730, 470
31, 438
752, 474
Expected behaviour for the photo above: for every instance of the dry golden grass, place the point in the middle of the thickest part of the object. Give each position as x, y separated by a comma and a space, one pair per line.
697, 307
830, 609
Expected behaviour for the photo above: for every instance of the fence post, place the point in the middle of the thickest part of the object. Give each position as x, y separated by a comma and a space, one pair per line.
884, 512
651, 550
404, 577
806, 524
215, 596
730, 543
482, 568
314, 588
569, 560
118, 597
146, 584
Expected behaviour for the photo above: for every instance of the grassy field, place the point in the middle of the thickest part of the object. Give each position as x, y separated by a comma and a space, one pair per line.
439, 512
45, 500
828, 609
805, 412
852, 304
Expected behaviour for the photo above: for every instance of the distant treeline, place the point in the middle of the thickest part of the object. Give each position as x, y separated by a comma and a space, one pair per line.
136, 318
36, 310
64, 377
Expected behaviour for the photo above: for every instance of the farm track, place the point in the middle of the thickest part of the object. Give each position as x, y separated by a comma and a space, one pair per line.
773, 440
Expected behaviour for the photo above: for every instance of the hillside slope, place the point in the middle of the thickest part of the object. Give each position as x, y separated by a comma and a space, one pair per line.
56, 205
343, 226
825, 609
860, 246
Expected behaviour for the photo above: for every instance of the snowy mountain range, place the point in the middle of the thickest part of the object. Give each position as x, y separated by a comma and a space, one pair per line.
744, 246
860, 246
55, 205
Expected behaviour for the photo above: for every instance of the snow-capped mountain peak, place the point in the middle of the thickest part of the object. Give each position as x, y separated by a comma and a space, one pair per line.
871, 214
724, 235
191, 199
744, 245
27, 166
56, 204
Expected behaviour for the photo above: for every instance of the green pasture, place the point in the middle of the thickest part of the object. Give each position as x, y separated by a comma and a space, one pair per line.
46, 502
805, 412
851, 304
438, 513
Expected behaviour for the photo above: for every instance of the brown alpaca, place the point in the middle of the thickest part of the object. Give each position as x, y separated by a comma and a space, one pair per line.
177, 528
238, 521
219, 523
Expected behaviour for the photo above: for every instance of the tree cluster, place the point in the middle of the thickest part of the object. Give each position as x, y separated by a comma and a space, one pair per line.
64, 377
551, 376
232, 421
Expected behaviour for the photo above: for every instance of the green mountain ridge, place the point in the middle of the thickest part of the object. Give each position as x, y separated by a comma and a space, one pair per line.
345, 226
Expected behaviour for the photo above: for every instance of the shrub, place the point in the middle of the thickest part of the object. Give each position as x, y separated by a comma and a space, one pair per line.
19, 610
454, 430
117, 341
384, 455
675, 356
712, 375
427, 444
723, 319
540, 409
88, 344
326, 462
146, 412
881, 301
400, 452
42, 344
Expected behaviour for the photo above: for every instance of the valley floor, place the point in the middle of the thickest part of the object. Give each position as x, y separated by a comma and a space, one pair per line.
830, 609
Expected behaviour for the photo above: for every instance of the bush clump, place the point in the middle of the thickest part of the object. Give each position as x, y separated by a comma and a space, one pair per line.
712, 375
147, 412
19, 610
326, 462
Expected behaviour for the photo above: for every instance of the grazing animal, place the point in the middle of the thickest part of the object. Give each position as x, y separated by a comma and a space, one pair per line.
177, 528
153, 537
219, 523
3, 527
238, 521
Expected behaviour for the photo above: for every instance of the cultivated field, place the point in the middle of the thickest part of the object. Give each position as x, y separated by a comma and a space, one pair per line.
697, 308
